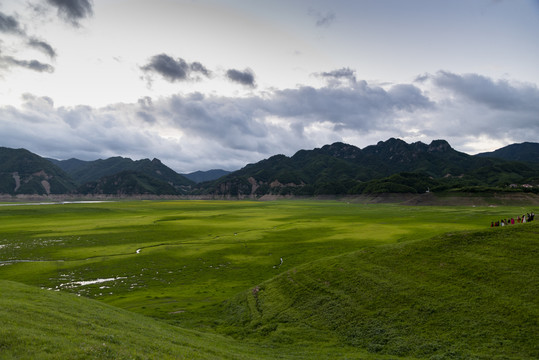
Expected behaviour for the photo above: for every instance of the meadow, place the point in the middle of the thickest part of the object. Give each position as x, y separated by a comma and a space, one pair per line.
230, 270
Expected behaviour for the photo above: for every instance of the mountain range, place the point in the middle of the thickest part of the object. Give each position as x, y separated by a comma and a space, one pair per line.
389, 166
123, 176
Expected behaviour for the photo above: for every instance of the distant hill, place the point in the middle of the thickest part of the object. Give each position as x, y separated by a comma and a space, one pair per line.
201, 176
91, 171
346, 169
23, 172
69, 166
527, 151
128, 182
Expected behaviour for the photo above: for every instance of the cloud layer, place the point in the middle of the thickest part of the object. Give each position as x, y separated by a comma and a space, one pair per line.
196, 131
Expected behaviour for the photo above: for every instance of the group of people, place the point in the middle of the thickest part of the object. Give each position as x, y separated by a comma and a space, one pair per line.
524, 219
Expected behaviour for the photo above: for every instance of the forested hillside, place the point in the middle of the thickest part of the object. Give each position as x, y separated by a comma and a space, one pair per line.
391, 166
23, 172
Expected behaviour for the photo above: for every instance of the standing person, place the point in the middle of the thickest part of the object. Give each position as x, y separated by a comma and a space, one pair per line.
512, 221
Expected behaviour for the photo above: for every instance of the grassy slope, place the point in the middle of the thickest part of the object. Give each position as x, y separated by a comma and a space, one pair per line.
197, 254
456, 296
40, 324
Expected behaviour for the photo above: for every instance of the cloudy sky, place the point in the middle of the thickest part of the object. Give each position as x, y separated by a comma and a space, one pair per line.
203, 84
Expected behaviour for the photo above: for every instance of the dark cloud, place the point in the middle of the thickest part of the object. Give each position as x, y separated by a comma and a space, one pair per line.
31, 100
326, 20
500, 94
322, 20
146, 116
336, 77
359, 107
422, 78
73, 10
245, 77
168, 67
341, 73
145, 102
146, 106
173, 69
8, 61
42, 46
8, 24
198, 67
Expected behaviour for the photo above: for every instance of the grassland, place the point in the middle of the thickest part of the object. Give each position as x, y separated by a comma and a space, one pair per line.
286, 279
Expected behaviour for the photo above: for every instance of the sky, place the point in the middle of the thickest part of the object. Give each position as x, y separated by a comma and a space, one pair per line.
207, 84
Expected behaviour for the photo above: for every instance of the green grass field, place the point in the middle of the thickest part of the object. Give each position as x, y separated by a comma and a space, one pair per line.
281, 279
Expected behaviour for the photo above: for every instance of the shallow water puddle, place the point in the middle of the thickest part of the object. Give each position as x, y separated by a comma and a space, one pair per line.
88, 282
57, 203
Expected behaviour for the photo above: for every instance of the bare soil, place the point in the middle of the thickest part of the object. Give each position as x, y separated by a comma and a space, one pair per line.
427, 199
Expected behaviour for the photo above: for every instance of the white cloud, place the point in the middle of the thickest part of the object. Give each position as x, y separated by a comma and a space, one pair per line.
479, 113
199, 132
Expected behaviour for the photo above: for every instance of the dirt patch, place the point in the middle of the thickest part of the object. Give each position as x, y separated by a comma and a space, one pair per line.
46, 186
17, 179
433, 199
461, 199
430, 199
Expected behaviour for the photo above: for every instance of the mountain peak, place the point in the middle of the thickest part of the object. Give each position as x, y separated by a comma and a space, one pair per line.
392, 143
341, 150
439, 146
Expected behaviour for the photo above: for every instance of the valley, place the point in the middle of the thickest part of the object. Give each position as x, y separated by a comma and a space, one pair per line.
293, 276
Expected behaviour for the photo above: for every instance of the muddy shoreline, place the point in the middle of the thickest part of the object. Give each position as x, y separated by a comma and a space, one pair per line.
427, 199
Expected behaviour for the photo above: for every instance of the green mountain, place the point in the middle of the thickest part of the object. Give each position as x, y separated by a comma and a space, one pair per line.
23, 172
390, 166
87, 171
129, 182
526, 151
69, 166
